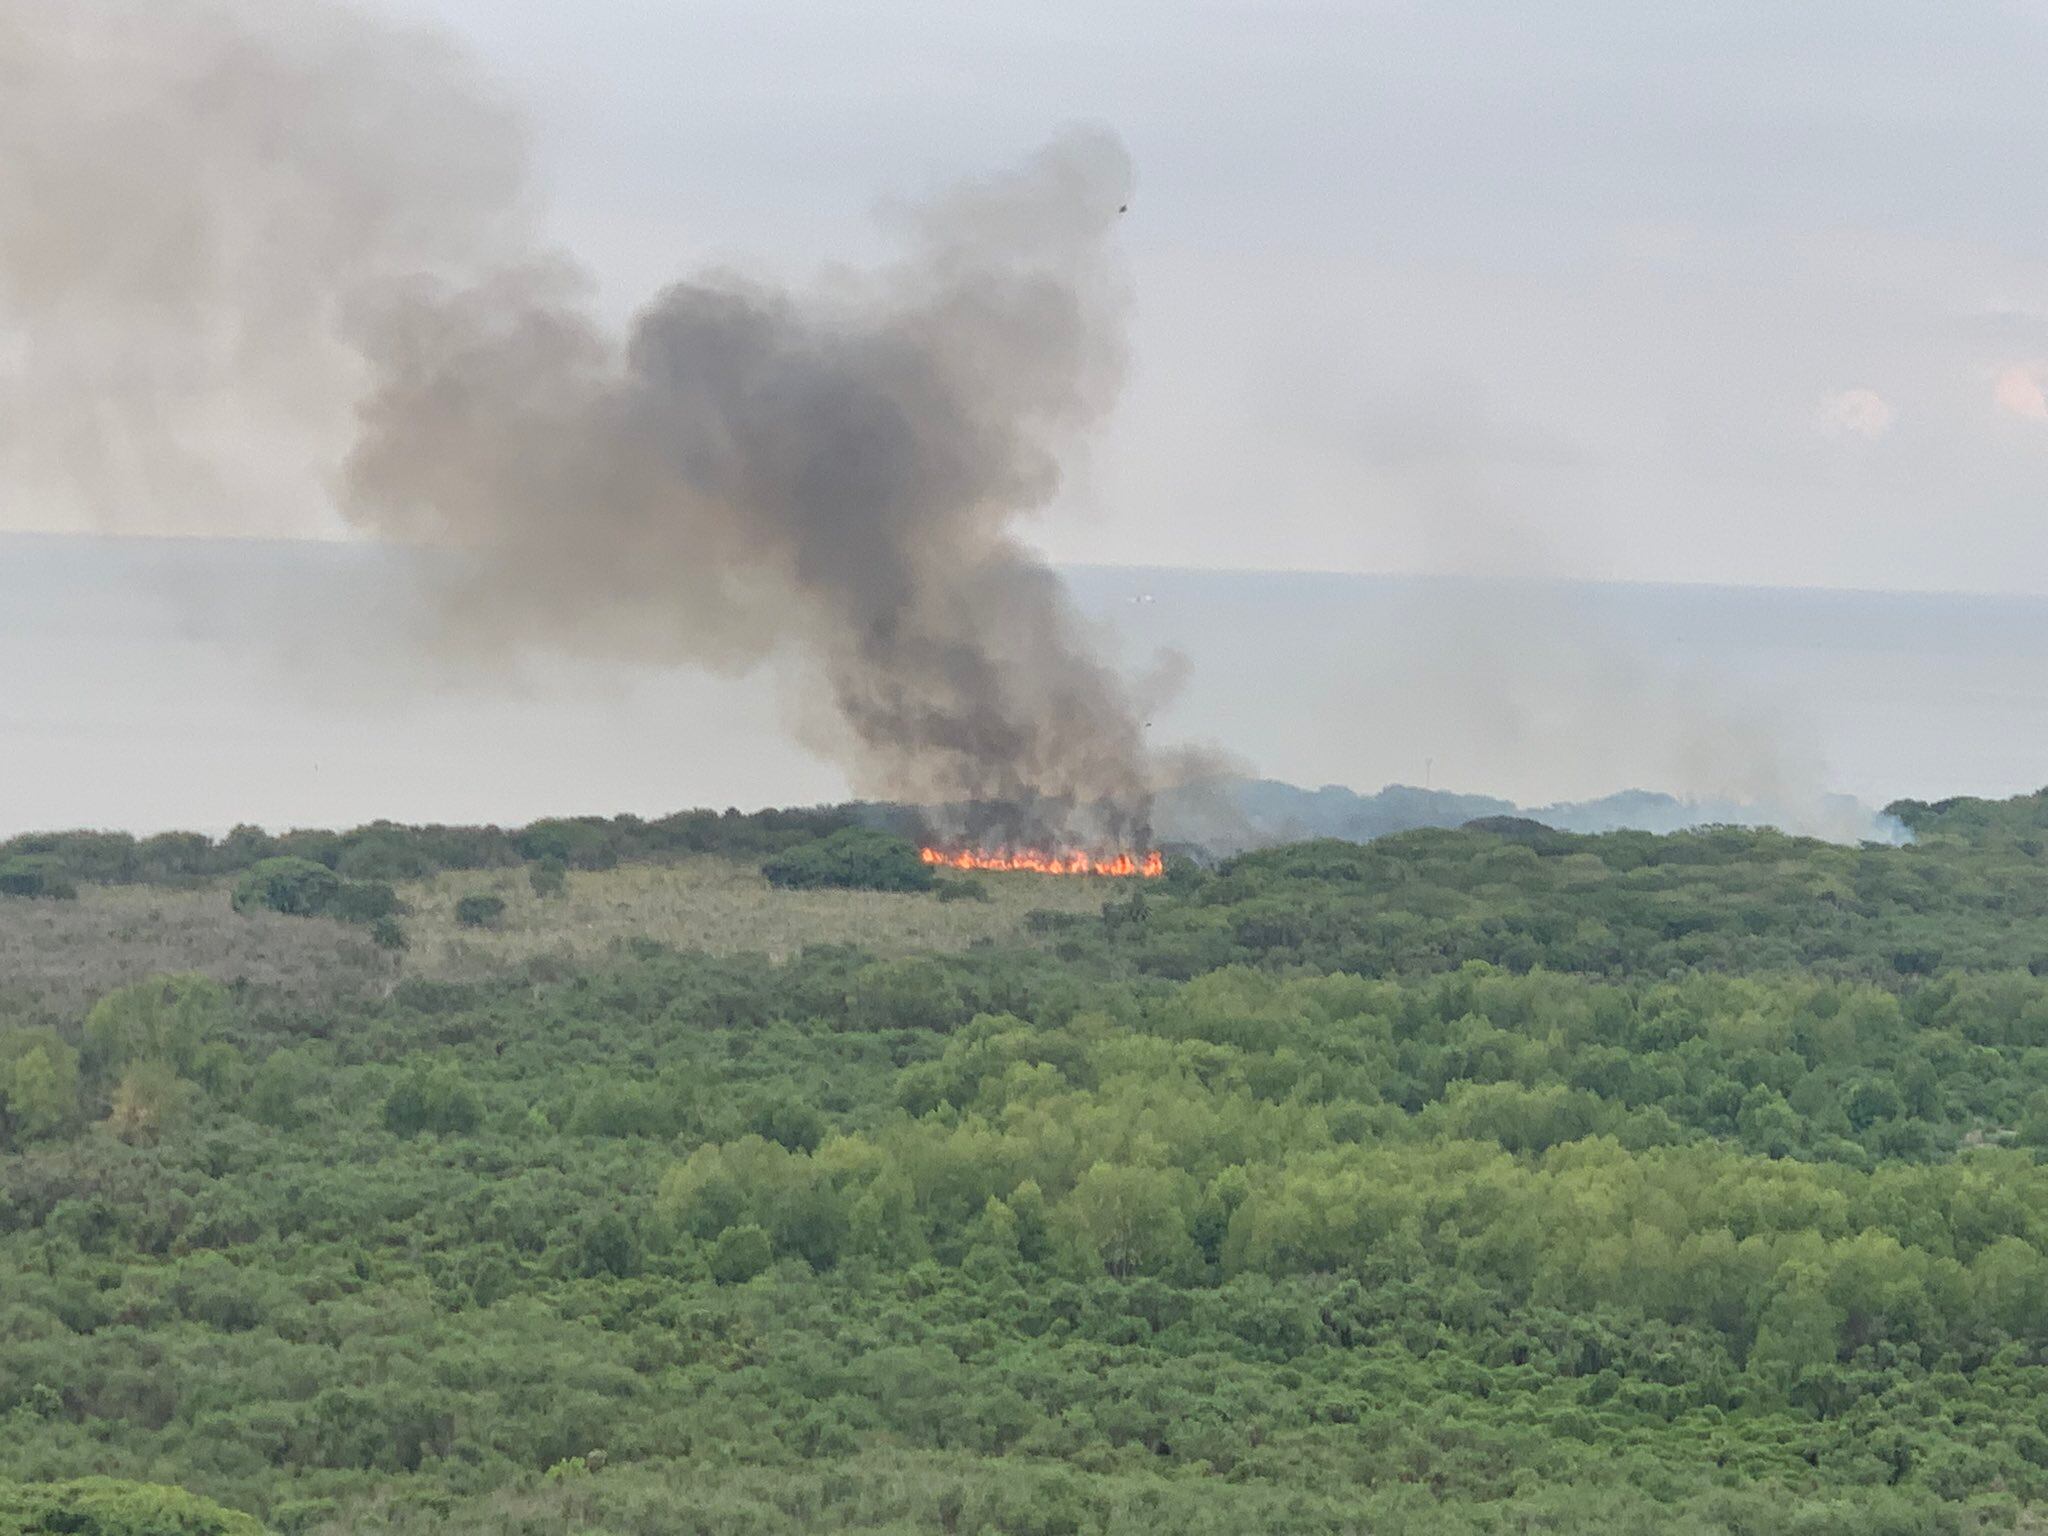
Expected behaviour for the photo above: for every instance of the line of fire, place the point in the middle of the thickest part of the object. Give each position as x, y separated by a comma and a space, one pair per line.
1144, 866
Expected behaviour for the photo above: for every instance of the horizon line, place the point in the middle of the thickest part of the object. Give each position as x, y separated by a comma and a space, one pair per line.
1472, 578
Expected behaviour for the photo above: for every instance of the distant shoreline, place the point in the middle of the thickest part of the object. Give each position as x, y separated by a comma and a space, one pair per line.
155, 683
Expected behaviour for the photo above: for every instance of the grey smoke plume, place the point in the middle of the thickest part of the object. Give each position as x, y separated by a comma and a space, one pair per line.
190, 191
275, 217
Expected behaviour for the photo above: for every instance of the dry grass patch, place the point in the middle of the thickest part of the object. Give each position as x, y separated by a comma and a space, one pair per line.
712, 904
59, 957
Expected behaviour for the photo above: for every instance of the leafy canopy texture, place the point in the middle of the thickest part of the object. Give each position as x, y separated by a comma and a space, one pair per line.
300, 887
102, 1506
854, 858
1469, 1182
36, 875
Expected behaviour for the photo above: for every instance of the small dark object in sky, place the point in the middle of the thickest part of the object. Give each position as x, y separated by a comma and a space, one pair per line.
1123, 207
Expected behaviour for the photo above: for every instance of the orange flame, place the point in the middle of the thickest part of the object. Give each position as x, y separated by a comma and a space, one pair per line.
1145, 866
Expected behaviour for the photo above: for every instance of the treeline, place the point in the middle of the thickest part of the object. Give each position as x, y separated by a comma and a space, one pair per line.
393, 850
386, 850
2021, 821
1520, 896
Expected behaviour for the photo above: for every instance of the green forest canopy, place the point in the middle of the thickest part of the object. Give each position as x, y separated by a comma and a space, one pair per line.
1466, 1181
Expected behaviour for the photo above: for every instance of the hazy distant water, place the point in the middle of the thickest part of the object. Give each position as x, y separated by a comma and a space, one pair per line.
1568, 690
149, 684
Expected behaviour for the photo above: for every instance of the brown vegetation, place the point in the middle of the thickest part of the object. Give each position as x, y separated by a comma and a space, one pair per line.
58, 957
713, 904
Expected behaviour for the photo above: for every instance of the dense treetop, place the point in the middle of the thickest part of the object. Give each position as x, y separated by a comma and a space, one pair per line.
387, 850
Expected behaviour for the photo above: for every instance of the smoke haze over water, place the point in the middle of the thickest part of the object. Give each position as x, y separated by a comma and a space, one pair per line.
273, 266
238, 240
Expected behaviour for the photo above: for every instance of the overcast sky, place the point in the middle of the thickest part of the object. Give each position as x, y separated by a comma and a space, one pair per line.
1744, 292
1736, 293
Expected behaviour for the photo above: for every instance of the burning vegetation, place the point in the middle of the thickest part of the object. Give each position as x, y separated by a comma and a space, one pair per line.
1148, 865
1034, 834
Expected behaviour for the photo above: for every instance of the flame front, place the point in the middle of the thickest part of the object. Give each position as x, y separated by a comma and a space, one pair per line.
1038, 861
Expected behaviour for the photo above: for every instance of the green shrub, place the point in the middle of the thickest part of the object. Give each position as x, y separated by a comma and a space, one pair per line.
433, 1096
164, 1019
963, 890
791, 1123
580, 842
38, 1085
905, 994
852, 858
548, 877
307, 888
105, 1506
278, 1089
616, 1108
384, 853
293, 886
363, 901
609, 1248
36, 875
741, 1253
480, 909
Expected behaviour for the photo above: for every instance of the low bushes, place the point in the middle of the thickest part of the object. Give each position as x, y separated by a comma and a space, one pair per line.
854, 858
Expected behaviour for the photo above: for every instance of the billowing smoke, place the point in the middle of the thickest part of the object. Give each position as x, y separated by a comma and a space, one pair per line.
749, 468
191, 194
232, 231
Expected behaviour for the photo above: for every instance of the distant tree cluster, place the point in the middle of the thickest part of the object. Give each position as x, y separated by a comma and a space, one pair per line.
1615, 904
2020, 822
852, 858
385, 851
104, 1506
301, 888
136, 1064
36, 875
480, 909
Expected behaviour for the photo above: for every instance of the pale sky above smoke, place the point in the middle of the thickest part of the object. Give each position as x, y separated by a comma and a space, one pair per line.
1614, 262
1622, 250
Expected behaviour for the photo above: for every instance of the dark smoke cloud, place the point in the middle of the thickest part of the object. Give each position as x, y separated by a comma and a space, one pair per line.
281, 215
